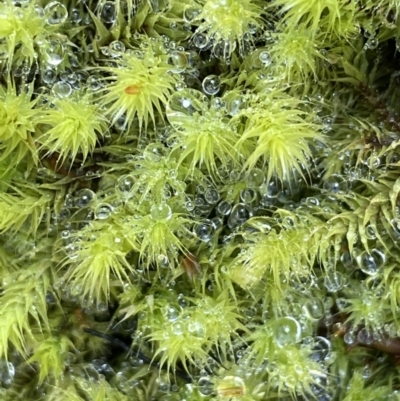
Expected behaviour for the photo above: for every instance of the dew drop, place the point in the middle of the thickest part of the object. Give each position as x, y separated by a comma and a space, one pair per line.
200, 40
265, 58
204, 230
7, 373
334, 281
160, 212
94, 82
61, 89
178, 61
248, 195
314, 309
224, 208
171, 314
191, 13
177, 328
103, 211
211, 196
196, 329
371, 263
240, 214
108, 12
49, 76
350, 338
76, 16
365, 337
55, 13
320, 349
211, 85
286, 331
231, 387
125, 185
84, 197
54, 53
117, 48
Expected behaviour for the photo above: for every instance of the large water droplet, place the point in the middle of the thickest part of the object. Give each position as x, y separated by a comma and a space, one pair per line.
61, 89
265, 58
224, 208
160, 212
240, 214
286, 331
84, 197
334, 281
117, 48
371, 263
211, 196
231, 387
178, 61
54, 53
211, 85
109, 12
103, 211
204, 230
314, 308
55, 13
196, 329
190, 13
321, 349
7, 373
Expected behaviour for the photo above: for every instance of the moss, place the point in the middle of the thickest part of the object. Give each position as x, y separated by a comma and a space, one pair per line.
199, 200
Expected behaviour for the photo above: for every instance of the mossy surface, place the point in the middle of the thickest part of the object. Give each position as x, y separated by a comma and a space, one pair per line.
199, 200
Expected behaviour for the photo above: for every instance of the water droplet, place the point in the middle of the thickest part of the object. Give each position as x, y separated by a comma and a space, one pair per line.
117, 48
191, 13
49, 76
65, 234
54, 53
371, 263
61, 89
196, 329
178, 61
7, 372
103, 211
240, 214
211, 196
265, 58
224, 208
248, 195
235, 105
171, 314
76, 16
320, 349
334, 281
365, 337
94, 82
231, 387
84, 197
125, 185
55, 13
314, 309
160, 212
200, 40
286, 331
204, 230
211, 85
255, 178
349, 338
177, 328
370, 232
108, 12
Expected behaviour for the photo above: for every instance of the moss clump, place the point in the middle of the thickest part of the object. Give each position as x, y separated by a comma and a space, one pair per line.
199, 200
